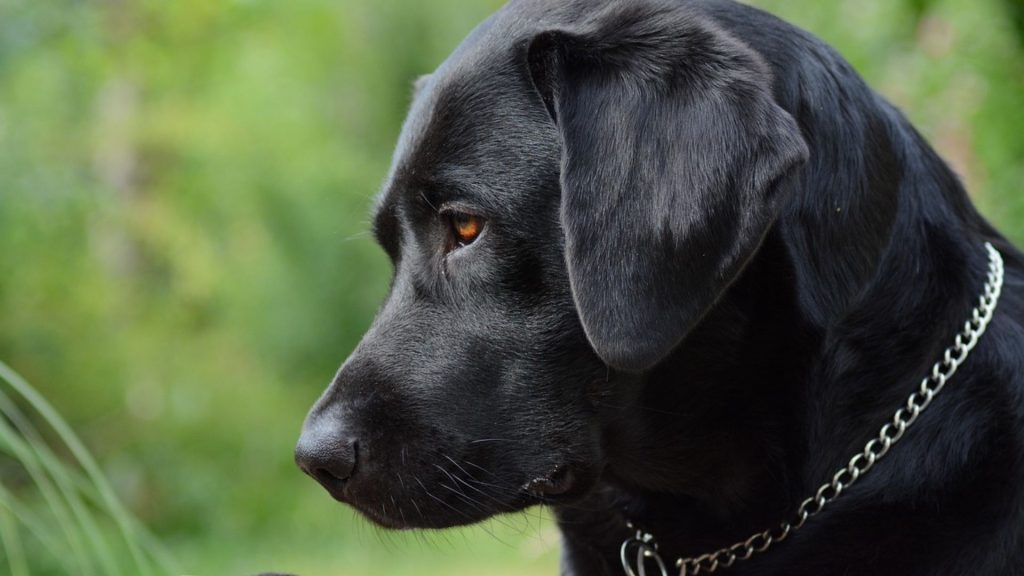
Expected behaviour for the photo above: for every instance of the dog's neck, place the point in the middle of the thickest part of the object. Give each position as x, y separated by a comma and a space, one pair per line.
862, 281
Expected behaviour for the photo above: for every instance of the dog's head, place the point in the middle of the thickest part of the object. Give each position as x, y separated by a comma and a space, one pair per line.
572, 191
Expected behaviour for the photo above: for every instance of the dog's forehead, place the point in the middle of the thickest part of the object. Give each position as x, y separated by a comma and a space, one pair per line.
477, 122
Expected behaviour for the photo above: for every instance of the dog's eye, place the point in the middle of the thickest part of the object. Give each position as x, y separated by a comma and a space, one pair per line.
465, 227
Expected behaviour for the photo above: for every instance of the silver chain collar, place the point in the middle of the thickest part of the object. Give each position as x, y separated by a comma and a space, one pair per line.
641, 550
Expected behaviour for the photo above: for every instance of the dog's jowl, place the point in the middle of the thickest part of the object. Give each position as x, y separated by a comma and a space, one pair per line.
672, 264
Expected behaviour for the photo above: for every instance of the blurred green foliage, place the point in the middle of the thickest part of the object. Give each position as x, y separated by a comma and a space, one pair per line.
184, 247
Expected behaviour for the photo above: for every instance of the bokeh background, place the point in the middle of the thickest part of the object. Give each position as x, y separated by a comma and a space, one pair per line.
184, 247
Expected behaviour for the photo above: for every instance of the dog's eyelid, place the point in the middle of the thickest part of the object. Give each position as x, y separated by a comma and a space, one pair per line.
459, 207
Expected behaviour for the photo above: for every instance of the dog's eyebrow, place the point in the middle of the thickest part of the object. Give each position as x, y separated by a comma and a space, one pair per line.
466, 184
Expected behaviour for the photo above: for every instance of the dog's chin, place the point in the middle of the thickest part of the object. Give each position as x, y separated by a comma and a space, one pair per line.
409, 516
385, 519
443, 506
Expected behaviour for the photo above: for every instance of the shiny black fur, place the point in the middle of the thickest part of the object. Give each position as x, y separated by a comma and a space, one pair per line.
714, 263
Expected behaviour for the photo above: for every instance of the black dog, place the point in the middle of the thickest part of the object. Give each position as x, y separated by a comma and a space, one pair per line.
673, 263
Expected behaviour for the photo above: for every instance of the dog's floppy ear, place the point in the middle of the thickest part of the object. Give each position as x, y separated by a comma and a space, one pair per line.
675, 157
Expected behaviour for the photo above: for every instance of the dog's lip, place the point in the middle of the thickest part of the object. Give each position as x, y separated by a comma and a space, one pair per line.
555, 485
388, 522
409, 520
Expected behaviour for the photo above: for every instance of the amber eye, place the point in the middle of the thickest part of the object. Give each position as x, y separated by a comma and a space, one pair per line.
465, 227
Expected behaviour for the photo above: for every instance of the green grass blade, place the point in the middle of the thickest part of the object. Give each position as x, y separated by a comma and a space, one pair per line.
155, 550
71, 479
47, 488
85, 459
12, 545
37, 528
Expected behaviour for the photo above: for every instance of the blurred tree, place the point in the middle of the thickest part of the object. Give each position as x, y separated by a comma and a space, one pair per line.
920, 7
1016, 10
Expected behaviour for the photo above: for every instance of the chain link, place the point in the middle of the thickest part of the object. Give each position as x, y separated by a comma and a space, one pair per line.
877, 447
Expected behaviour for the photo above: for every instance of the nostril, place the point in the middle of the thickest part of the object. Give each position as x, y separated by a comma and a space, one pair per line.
327, 478
339, 469
328, 460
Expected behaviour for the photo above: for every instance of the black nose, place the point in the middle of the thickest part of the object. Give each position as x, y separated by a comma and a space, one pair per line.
328, 454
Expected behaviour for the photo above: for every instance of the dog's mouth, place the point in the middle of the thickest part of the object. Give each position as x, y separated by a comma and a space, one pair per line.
560, 485
454, 496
